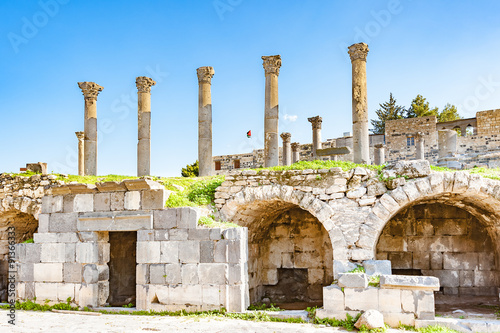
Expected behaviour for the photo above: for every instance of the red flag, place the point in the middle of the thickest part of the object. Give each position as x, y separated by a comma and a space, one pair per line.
249, 134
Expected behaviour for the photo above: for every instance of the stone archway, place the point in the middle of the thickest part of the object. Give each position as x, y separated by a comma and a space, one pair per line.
290, 253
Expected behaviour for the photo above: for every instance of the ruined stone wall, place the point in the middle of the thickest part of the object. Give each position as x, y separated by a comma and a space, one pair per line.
442, 241
488, 122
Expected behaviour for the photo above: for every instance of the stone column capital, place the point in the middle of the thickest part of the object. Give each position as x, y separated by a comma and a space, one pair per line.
90, 89
144, 84
295, 146
272, 64
285, 136
379, 146
205, 74
316, 122
358, 51
80, 135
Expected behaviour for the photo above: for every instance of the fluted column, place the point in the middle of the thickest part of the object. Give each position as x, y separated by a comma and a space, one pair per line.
316, 129
272, 66
379, 154
205, 75
287, 149
295, 152
144, 85
81, 153
360, 137
419, 146
90, 91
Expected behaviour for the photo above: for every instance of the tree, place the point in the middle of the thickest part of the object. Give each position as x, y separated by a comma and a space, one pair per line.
449, 113
388, 111
191, 170
420, 108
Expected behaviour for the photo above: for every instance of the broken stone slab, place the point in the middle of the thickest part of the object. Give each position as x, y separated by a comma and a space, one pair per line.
370, 319
142, 184
342, 266
411, 169
377, 267
111, 186
409, 282
353, 280
81, 188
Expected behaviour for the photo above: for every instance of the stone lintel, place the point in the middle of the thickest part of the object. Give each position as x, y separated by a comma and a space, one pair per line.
333, 151
409, 282
115, 221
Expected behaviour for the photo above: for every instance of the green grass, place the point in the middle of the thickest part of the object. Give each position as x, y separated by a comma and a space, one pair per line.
264, 307
303, 165
358, 269
208, 221
197, 191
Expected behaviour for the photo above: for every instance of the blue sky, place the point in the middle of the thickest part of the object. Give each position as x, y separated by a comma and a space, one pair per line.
446, 51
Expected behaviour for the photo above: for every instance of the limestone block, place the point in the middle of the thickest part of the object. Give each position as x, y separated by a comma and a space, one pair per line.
117, 201
148, 252
187, 217
102, 202
169, 252
90, 273
44, 291
342, 266
102, 292
207, 251
421, 260
132, 200
145, 235
141, 184
103, 272
237, 273
411, 169
361, 299
48, 272
32, 252
52, 252
409, 282
189, 251
189, 274
408, 301
88, 295
333, 298
436, 260
389, 300
52, 204
411, 191
425, 304
215, 233
63, 222
65, 291
162, 293
43, 223
336, 188
161, 235
87, 253
423, 185
26, 272
395, 320
356, 193
389, 203
45, 237
460, 261
178, 234
141, 293
165, 219
83, 203
210, 295
237, 298
377, 267
183, 295
361, 254
113, 221
447, 278
157, 274
221, 251
235, 233
173, 274
142, 273
20, 291
154, 199
376, 189
199, 234
67, 237
370, 319
104, 252
237, 251
353, 280
486, 261
466, 278
461, 182
485, 278
380, 211
436, 180
214, 273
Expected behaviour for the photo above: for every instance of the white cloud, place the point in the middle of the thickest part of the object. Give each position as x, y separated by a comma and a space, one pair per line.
290, 117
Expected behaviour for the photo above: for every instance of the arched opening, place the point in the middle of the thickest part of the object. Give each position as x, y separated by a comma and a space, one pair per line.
25, 225
458, 130
447, 239
469, 131
290, 254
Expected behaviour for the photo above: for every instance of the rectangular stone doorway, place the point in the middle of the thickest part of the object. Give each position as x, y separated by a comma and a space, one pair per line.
122, 268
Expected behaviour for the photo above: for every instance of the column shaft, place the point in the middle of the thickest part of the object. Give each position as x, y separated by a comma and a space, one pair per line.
271, 110
144, 85
419, 147
316, 130
360, 136
205, 75
81, 153
295, 152
287, 148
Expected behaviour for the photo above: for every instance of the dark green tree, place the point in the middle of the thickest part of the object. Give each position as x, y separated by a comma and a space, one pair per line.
420, 108
388, 111
191, 170
449, 113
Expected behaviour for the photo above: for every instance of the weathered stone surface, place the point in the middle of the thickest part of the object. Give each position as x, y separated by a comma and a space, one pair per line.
353, 280
377, 267
361, 299
333, 298
411, 169
370, 319
409, 282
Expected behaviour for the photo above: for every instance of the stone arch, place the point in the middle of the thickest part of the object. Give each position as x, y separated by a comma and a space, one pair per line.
290, 244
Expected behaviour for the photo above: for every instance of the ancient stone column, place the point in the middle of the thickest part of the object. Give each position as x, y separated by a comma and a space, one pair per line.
447, 143
144, 85
419, 146
205, 75
379, 154
316, 128
81, 154
295, 152
272, 66
360, 138
287, 149
90, 91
